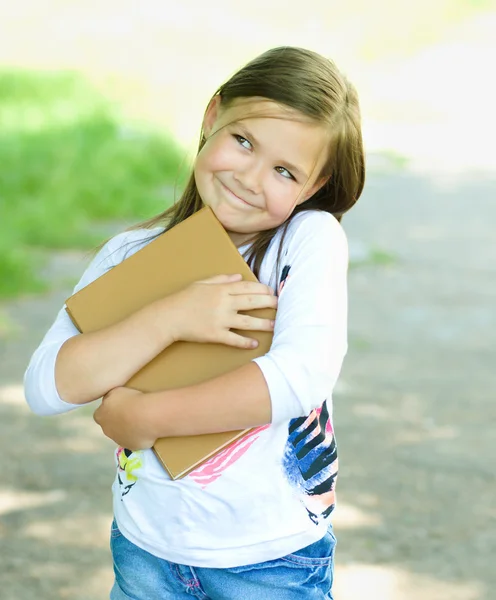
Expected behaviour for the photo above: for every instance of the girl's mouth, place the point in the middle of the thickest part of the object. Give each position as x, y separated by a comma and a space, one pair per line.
233, 195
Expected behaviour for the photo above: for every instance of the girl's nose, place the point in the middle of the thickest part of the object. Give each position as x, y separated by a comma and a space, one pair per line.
250, 178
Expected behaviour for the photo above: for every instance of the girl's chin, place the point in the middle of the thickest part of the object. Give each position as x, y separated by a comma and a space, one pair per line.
227, 218
234, 224
233, 230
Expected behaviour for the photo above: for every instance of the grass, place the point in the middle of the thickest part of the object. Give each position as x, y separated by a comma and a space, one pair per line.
66, 161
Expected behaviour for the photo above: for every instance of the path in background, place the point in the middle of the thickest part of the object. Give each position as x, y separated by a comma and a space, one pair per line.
414, 414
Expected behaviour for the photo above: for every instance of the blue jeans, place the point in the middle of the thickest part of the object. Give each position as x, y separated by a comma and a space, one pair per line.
305, 575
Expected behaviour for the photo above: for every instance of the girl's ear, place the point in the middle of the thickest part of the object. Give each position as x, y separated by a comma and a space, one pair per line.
211, 115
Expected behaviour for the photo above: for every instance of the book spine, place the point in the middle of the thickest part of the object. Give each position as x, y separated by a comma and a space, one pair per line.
73, 319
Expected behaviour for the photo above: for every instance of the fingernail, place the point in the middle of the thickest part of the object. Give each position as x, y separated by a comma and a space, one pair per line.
254, 343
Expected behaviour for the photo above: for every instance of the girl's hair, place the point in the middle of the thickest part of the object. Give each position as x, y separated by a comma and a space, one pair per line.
311, 84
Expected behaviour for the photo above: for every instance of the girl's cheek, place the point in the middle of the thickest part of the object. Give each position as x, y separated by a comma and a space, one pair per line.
280, 209
201, 161
217, 158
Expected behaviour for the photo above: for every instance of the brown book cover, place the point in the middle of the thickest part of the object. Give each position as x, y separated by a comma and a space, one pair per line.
196, 249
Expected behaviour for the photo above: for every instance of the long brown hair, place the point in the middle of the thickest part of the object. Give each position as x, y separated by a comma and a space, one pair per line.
311, 84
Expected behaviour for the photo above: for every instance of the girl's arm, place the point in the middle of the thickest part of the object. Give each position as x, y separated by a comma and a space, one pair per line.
69, 369
296, 376
90, 364
65, 370
236, 400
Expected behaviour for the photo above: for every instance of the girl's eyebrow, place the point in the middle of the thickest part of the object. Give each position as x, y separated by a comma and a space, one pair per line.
287, 164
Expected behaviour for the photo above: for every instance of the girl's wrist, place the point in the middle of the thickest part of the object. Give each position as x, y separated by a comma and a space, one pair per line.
147, 415
154, 414
164, 321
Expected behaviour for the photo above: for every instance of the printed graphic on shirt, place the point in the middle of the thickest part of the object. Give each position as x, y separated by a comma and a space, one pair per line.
310, 457
128, 463
213, 468
284, 278
311, 462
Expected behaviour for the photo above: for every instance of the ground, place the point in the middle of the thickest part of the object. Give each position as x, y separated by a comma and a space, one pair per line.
414, 414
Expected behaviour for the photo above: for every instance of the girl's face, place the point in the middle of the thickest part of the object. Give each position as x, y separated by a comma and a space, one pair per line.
253, 170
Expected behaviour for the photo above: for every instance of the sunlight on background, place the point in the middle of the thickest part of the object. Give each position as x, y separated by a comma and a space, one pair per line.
14, 395
360, 582
356, 581
423, 69
16, 500
84, 531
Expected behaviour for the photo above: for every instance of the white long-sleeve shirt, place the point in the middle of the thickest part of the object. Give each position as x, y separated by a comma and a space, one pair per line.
270, 493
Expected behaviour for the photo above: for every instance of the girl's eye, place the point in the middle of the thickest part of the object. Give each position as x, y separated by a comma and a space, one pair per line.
242, 141
285, 173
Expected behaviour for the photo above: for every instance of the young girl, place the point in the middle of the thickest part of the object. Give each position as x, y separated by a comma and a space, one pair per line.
280, 160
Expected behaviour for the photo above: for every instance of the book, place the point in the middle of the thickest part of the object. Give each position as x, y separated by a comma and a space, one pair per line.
196, 249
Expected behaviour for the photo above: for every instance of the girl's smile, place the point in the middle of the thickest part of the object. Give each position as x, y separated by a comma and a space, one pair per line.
232, 196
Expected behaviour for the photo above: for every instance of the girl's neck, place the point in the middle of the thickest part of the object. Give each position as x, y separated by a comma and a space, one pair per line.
240, 239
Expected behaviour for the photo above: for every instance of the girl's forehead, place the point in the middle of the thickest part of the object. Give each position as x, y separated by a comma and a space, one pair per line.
252, 108
264, 115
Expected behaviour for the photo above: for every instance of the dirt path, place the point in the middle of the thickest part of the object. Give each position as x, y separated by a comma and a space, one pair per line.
415, 416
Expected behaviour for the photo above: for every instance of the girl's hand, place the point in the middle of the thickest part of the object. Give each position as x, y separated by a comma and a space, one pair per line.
206, 311
122, 416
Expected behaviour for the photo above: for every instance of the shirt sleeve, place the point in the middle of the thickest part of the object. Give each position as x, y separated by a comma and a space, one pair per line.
310, 334
40, 389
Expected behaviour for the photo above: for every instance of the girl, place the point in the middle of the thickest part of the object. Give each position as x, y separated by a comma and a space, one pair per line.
280, 160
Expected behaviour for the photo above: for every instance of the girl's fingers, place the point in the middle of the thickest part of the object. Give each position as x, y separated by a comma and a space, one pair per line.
247, 323
250, 287
223, 279
250, 301
238, 341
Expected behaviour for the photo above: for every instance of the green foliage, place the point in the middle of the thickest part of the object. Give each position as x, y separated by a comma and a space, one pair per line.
18, 270
375, 257
66, 161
